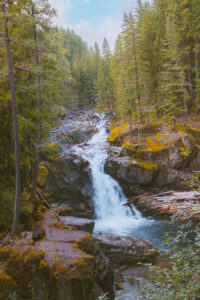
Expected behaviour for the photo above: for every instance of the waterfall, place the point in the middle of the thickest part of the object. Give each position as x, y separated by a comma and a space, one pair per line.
108, 197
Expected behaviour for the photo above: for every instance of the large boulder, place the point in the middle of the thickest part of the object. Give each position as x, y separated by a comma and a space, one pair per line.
69, 182
165, 176
129, 172
66, 264
126, 250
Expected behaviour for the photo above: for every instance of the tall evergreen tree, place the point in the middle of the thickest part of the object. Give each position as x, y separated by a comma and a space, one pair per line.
15, 121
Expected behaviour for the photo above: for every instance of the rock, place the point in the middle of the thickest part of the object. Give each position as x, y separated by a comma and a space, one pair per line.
38, 233
64, 210
126, 250
166, 176
78, 223
69, 182
66, 265
7, 286
128, 171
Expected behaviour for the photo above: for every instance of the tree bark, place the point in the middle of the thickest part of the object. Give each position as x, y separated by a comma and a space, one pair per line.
196, 77
137, 81
190, 84
147, 104
131, 129
174, 120
37, 161
15, 125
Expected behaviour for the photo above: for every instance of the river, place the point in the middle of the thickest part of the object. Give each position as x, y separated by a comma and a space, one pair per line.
108, 197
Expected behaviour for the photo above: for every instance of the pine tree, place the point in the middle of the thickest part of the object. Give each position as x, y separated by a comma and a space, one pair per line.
15, 121
173, 87
104, 83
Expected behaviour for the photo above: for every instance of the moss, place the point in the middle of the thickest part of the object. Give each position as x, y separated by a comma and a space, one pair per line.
59, 225
15, 253
154, 144
51, 150
118, 132
4, 253
149, 129
185, 152
43, 265
42, 176
38, 215
7, 286
151, 166
130, 144
32, 255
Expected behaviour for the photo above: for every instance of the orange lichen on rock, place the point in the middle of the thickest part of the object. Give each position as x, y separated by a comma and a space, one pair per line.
151, 166
119, 131
155, 143
130, 144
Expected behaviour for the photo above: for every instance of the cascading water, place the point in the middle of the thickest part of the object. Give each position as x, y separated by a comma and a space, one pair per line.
111, 214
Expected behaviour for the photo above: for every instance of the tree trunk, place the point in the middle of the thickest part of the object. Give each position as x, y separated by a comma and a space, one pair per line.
37, 161
175, 129
137, 80
147, 105
15, 126
196, 77
131, 129
190, 84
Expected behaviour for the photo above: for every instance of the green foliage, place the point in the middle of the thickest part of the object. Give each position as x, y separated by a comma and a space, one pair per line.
180, 279
7, 207
192, 182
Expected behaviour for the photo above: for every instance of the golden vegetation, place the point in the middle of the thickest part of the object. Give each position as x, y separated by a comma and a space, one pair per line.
118, 132
151, 166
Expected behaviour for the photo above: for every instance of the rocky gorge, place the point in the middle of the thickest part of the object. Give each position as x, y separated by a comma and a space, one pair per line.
60, 257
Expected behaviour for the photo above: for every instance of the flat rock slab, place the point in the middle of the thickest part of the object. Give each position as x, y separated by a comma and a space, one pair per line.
66, 254
79, 223
68, 236
126, 250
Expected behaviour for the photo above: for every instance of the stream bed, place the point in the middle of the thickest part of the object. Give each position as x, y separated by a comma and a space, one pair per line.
108, 197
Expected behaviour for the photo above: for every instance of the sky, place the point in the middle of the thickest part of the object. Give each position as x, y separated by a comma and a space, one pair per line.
92, 19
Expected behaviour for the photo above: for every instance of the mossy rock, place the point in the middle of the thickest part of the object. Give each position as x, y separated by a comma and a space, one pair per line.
51, 150
148, 165
5, 253
118, 132
7, 286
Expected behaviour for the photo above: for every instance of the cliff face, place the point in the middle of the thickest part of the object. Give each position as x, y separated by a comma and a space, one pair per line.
154, 157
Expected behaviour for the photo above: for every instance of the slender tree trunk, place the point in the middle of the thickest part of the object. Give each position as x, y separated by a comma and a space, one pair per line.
15, 126
196, 77
175, 128
37, 161
131, 129
137, 81
147, 105
157, 111
190, 84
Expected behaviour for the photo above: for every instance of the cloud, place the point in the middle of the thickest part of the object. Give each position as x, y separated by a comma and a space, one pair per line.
63, 7
109, 27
